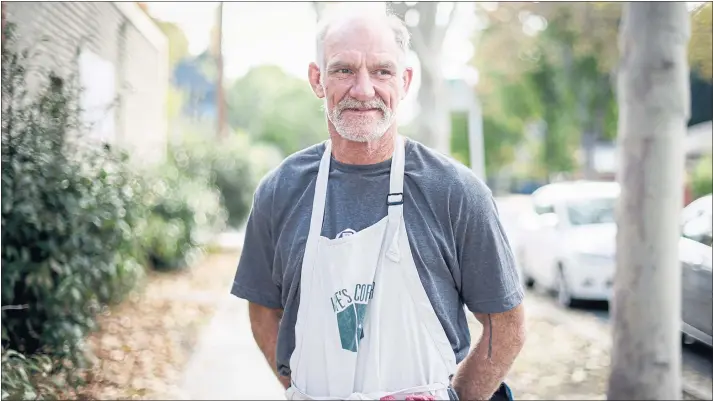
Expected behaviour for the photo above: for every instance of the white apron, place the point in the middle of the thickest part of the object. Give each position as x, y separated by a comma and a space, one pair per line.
365, 326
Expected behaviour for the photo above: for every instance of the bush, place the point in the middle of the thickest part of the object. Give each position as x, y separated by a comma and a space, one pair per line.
27, 378
238, 168
184, 211
69, 215
232, 164
702, 178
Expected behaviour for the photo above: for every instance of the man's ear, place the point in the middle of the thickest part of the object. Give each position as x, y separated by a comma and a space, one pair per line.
407, 77
315, 80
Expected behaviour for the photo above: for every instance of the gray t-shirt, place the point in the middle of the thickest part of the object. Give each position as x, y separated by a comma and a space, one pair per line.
458, 244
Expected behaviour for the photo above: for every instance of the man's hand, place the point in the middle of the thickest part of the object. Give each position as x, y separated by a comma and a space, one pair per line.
265, 323
484, 369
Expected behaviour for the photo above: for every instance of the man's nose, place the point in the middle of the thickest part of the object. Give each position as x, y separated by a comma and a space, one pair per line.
363, 88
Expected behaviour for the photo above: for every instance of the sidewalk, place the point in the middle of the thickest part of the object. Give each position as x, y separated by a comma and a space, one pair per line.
227, 364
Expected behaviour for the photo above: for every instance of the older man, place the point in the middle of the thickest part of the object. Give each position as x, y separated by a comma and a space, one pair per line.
361, 252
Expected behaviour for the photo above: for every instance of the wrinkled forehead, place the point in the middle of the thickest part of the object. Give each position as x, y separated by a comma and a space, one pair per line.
359, 38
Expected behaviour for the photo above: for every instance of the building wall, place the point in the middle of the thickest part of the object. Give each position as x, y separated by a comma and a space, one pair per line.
119, 35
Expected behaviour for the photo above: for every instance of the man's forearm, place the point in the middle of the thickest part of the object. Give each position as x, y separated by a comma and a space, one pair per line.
265, 323
484, 369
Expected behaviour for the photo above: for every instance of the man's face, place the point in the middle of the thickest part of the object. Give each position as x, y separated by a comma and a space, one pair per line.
362, 82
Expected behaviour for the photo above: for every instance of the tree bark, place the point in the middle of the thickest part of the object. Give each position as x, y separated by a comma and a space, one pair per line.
653, 96
433, 121
434, 117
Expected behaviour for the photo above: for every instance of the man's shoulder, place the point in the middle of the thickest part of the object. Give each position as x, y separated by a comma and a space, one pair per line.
435, 169
292, 173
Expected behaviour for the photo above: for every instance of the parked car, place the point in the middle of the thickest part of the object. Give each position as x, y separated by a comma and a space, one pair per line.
568, 245
568, 240
696, 263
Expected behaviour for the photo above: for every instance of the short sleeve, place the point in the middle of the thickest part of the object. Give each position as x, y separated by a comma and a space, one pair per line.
254, 276
489, 277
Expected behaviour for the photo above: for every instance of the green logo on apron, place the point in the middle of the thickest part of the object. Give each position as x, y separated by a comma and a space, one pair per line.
350, 310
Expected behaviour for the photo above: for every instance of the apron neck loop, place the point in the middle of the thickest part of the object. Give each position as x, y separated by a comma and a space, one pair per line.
394, 199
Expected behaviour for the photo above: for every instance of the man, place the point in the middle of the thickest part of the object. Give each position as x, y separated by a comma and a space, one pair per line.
361, 252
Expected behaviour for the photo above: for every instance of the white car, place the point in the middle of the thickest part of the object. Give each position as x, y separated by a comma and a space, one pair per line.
568, 240
696, 263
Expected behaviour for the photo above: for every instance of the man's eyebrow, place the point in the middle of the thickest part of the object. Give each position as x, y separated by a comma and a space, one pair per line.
337, 65
387, 65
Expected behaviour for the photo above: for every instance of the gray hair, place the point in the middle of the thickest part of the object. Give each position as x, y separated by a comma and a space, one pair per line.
398, 27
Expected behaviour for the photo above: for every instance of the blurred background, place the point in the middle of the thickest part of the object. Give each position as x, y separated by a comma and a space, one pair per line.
134, 135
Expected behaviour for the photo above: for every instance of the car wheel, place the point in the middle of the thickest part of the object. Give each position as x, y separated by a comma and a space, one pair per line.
564, 296
687, 340
527, 280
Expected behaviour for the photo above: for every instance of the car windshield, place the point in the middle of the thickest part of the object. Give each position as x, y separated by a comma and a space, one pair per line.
591, 211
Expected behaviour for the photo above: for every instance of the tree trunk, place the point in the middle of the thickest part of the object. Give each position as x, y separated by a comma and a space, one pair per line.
434, 117
433, 121
653, 96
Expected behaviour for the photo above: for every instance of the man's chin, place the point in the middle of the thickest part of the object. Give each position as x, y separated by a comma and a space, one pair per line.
361, 136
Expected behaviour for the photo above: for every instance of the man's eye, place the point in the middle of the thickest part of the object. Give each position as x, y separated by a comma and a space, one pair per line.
343, 71
384, 72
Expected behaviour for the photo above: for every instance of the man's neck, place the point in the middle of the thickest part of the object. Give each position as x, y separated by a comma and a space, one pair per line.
351, 152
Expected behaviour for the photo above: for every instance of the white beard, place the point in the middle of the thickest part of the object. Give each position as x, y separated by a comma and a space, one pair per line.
366, 129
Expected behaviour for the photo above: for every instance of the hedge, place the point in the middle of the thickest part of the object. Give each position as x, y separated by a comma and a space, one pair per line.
70, 212
79, 224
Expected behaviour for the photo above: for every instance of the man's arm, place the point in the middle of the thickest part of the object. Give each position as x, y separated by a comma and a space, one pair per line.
484, 369
490, 288
265, 323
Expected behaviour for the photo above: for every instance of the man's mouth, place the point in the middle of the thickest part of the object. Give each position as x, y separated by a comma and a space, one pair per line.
361, 109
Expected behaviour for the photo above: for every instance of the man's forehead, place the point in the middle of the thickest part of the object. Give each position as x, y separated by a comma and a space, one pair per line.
360, 35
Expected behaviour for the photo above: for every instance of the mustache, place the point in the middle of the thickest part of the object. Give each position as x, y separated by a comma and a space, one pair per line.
350, 103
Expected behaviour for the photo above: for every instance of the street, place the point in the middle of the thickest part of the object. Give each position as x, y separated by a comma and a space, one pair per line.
696, 356
590, 320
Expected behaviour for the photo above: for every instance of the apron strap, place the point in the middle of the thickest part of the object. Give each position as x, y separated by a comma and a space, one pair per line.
395, 200
320, 198
320, 190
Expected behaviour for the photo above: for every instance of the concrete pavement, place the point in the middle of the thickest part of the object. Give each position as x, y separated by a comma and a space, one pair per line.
227, 364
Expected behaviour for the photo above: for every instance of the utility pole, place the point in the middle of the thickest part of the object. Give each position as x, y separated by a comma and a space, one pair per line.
475, 139
220, 94
653, 97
